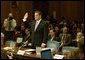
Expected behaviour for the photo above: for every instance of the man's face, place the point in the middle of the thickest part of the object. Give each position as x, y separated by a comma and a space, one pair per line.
52, 33
27, 31
65, 30
37, 16
10, 15
79, 35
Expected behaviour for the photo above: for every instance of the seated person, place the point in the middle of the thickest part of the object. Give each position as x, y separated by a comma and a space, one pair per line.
78, 36
18, 34
52, 35
65, 38
27, 38
79, 54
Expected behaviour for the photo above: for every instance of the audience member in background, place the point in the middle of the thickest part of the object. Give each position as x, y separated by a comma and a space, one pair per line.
23, 30
79, 36
49, 28
9, 26
78, 29
63, 25
20, 33
27, 37
57, 30
65, 37
2, 39
79, 54
25, 20
52, 36
74, 28
82, 27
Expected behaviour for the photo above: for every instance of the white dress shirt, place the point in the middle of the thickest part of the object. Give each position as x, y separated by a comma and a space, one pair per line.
36, 24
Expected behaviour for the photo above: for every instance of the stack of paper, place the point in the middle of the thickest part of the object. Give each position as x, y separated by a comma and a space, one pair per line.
20, 52
58, 56
30, 50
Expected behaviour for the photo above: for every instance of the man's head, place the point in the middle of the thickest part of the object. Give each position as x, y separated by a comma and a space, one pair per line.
27, 31
52, 32
10, 16
37, 15
79, 34
65, 30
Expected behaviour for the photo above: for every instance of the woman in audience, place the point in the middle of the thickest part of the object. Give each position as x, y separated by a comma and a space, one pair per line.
57, 30
79, 54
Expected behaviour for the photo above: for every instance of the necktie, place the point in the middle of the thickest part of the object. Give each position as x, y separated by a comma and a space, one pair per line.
63, 38
36, 25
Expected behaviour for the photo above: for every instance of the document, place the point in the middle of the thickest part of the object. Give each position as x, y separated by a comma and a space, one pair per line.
57, 56
30, 50
19, 40
20, 52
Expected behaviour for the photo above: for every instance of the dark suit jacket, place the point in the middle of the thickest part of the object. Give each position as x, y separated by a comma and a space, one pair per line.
54, 39
67, 40
41, 34
27, 24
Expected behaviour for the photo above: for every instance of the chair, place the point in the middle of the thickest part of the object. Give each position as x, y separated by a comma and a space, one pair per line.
53, 44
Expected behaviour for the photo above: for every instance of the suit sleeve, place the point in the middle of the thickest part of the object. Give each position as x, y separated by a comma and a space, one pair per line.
26, 23
45, 33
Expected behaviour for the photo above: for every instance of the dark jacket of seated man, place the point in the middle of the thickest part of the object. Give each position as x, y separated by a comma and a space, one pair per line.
65, 38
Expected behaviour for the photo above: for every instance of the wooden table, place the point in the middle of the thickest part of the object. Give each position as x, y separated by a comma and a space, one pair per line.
26, 56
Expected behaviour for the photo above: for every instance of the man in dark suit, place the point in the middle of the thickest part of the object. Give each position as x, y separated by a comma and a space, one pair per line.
65, 37
39, 30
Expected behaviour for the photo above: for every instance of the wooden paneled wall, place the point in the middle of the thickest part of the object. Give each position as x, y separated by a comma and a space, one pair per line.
18, 11
70, 9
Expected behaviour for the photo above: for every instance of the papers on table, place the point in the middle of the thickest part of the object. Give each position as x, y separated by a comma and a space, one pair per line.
7, 48
58, 56
20, 52
30, 50
27, 51
19, 40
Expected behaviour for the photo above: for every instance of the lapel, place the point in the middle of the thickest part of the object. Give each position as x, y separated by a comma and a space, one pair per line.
38, 26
